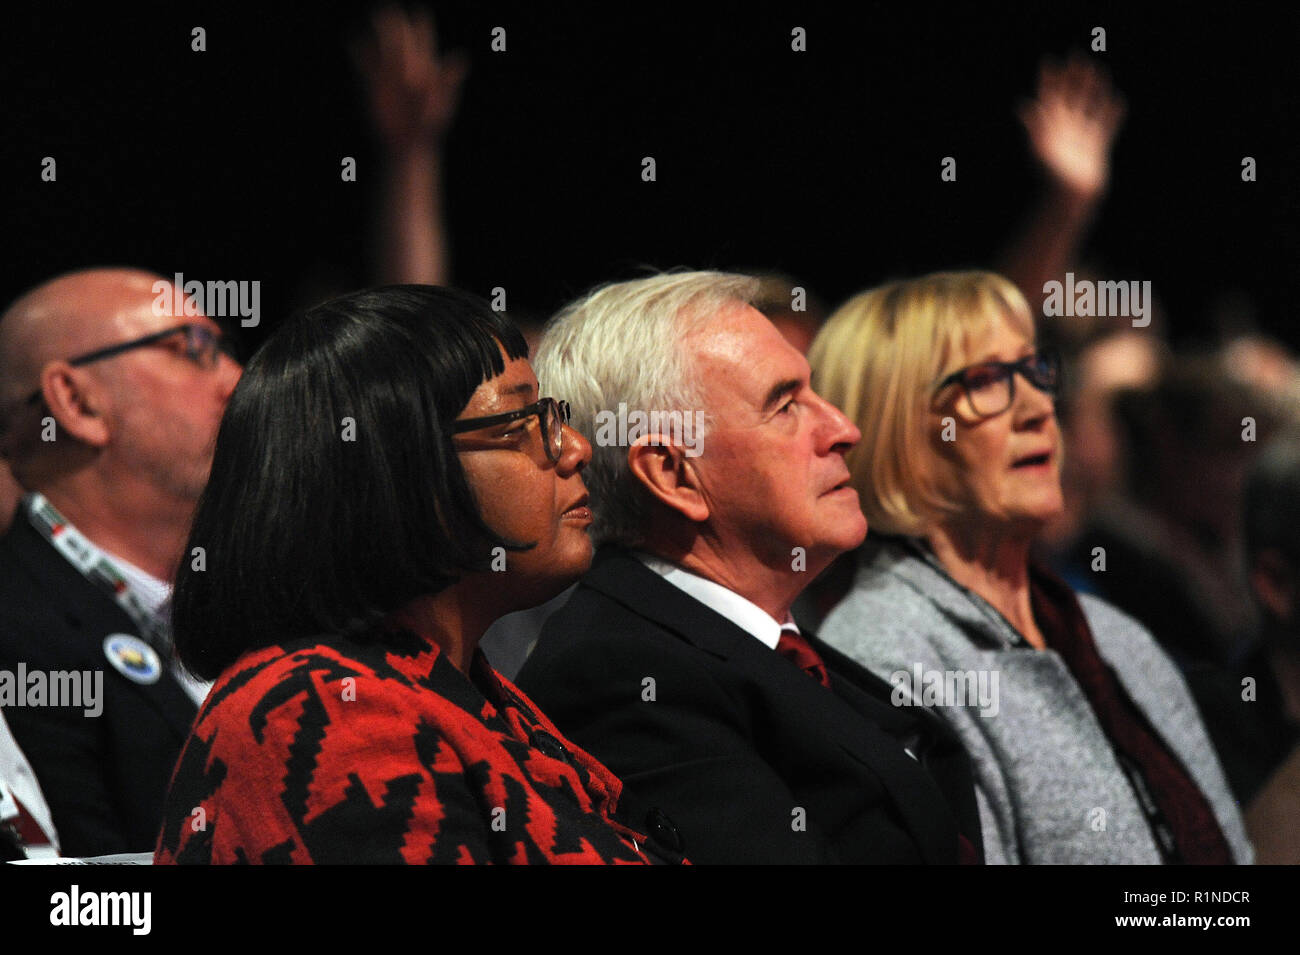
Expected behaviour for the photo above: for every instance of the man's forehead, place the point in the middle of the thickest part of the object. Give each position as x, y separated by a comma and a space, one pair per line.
100, 311
742, 355
164, 306
78, 312
81, 312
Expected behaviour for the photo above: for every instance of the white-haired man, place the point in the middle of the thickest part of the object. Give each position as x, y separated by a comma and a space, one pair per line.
719, 491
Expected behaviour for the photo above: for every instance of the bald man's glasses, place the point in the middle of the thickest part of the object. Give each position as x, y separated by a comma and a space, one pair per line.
203, 346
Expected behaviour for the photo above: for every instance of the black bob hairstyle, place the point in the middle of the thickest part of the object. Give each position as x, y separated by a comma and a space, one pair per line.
335, 495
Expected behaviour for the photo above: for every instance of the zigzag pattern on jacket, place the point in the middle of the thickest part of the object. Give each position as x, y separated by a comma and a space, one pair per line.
379, 750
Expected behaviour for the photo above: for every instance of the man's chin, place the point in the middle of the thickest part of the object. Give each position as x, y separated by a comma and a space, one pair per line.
849, 535
828, 550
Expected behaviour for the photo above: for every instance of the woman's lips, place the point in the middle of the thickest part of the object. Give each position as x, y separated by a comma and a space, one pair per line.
579, 511
1033, 461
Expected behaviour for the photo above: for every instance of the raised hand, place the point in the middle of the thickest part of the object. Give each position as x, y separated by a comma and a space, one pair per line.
1072, 125
413, 92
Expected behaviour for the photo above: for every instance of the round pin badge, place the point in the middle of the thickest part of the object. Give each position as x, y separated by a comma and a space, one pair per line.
133, 658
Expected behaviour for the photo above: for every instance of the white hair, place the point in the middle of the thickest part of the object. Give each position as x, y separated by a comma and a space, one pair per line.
622, 344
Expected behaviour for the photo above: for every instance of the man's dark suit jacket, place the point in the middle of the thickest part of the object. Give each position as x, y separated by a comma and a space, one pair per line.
104, 777
752, 759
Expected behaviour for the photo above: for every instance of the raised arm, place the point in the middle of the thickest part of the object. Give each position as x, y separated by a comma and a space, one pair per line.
1071, 125
412, 94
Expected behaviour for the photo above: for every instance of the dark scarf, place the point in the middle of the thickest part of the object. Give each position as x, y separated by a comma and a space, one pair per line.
1182, 811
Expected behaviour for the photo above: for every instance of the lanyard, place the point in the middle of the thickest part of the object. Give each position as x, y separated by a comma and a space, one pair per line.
97, 568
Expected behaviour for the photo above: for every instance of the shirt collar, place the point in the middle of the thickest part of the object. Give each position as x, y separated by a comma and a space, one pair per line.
745, 614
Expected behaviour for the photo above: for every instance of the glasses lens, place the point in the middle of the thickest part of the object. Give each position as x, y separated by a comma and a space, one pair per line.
200, 346
989, 389
554, 429
1044, 371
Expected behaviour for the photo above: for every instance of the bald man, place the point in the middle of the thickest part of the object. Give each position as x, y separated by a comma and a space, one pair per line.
109, 407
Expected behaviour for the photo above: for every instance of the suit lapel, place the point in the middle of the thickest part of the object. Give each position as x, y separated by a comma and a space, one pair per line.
93, 615
948, 763
852, 714
621, 577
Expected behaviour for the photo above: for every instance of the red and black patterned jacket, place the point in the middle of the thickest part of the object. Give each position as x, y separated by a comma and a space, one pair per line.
378, 750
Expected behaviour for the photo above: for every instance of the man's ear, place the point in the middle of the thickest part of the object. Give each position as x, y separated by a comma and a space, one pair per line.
75, 401
666, 472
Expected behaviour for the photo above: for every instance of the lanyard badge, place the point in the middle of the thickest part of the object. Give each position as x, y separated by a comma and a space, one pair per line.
137, 659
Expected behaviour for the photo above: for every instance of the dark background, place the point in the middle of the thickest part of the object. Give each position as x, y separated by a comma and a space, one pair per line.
824, 164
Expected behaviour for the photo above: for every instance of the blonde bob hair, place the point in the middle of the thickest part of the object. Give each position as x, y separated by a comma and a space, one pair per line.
879, 357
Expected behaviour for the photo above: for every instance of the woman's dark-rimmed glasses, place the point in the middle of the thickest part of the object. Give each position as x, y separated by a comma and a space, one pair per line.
552, 415
990, 386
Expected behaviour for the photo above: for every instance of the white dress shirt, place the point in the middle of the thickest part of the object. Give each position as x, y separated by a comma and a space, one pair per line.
156, 595
745, 614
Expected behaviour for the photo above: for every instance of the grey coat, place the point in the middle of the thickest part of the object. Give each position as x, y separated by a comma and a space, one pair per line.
1048, 784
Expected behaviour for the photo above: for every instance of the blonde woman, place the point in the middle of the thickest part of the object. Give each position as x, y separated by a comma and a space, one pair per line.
1086, 745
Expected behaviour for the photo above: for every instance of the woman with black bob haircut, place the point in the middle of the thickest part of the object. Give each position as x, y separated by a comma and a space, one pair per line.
386, 483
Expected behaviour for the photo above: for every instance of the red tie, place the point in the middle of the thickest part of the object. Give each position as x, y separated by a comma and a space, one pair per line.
966, 854
798, 651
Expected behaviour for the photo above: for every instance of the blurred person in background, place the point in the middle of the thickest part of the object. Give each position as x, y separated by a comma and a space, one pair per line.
1252, 709
1095, 464
1169, 533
